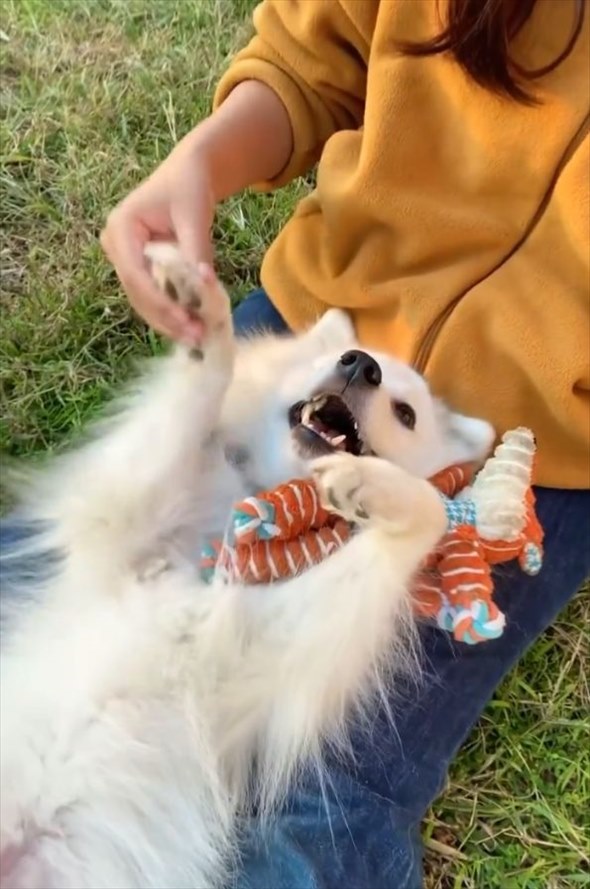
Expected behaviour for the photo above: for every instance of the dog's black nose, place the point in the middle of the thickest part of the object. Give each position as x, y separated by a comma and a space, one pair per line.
359, 369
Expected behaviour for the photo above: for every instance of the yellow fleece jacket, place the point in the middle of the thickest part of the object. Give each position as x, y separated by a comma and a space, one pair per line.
453, 224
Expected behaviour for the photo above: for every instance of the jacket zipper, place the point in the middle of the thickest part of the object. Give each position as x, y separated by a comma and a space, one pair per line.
425, 347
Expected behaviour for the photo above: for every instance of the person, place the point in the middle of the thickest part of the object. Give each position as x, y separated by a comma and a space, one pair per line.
451, 219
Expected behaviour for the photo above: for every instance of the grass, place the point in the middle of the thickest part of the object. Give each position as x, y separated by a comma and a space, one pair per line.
94, 94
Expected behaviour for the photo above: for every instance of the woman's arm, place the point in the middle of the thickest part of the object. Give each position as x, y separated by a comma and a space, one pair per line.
314, 55
247, 139
301, 78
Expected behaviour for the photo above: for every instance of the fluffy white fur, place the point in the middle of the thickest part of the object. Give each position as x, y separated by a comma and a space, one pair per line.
142, 712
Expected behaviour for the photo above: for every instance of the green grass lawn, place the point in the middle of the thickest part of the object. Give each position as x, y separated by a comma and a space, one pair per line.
94, 94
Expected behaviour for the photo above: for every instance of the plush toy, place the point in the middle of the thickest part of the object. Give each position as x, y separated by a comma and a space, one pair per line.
275, 535
492, 519
490, 522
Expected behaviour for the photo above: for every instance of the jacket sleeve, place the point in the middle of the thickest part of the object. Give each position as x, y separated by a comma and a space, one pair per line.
313, 54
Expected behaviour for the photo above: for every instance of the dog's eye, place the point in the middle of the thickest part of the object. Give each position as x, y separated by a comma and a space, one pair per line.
405, 414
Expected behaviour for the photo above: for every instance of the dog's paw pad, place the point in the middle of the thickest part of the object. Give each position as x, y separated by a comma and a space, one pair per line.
194, 287
181, 289
341, 486
369, 489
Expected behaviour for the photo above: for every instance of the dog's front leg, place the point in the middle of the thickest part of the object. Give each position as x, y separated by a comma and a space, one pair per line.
138, 482
336, 634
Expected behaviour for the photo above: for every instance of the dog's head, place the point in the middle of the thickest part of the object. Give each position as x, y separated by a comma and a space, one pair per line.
323, 393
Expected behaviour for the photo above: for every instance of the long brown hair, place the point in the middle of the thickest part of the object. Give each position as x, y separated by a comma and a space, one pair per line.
478, 34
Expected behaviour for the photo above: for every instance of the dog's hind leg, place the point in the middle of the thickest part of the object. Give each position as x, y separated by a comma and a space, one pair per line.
108, 503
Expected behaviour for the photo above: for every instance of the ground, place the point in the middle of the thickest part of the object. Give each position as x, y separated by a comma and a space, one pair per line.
94, 94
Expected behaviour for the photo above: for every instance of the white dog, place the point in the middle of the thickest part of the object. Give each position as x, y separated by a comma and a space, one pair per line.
142, 711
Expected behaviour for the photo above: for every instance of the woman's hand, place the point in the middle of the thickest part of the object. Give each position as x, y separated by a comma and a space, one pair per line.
247, 140
176, 203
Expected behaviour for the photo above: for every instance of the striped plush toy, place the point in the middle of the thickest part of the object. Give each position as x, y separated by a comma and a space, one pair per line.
490, 522
492, 519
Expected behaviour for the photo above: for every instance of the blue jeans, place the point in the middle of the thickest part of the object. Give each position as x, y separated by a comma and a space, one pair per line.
362, 830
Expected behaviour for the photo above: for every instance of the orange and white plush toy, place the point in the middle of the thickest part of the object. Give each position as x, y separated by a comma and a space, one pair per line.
490, 522
492, 519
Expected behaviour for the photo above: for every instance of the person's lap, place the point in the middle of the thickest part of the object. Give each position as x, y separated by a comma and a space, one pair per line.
256, 313
360, 828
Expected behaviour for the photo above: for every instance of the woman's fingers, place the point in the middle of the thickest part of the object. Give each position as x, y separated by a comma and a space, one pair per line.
123, 241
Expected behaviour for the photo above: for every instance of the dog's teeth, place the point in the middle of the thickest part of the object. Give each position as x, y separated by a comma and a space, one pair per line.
306, 413
309, 424
337, 440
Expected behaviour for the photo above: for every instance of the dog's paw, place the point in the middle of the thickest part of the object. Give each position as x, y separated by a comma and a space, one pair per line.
195, 287
368, 489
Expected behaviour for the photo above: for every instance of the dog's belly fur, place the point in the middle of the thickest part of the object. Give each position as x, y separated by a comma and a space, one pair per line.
135, 700
129, 727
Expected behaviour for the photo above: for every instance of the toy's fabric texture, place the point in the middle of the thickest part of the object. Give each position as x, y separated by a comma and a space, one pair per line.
275, 535
491, 519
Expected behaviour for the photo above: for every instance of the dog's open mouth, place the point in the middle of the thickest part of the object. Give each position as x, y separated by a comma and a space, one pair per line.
325, 424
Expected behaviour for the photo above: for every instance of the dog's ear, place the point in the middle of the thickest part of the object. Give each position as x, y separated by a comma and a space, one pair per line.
333, 331
464, 439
